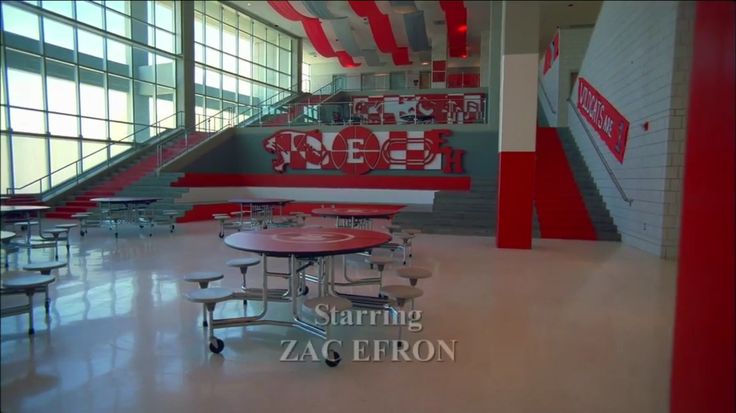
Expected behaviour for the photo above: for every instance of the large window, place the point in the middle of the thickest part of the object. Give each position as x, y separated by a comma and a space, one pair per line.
306, 77
90, 79
83, 79
239, 61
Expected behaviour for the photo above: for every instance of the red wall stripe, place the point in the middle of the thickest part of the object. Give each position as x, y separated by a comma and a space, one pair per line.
560, 207
703, 361
515, 197
456, 183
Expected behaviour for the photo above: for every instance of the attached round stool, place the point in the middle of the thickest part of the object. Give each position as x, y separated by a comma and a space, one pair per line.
68, 228
282, 222
406, 243
243, 264
5, 237
413, 274
400, 294
221, 218
209, 297
380, 261
25, 226
203, 279
56, 234
327, 305
44, 267
29, 285
171, 215
393, 228
82, 217
300, 216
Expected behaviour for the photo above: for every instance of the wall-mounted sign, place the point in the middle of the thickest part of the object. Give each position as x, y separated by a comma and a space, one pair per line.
610, 125
430, 108
357, 150
552, 52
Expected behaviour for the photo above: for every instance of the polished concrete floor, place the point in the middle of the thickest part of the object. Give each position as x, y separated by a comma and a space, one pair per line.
566, 327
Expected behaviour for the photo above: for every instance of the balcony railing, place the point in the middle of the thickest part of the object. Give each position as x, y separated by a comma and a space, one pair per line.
430, 111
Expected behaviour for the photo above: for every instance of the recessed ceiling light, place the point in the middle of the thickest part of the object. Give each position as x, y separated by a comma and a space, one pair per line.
249, 4
425, 63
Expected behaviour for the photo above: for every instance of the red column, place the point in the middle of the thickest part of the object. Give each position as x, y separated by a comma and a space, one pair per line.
517, 124
703, 366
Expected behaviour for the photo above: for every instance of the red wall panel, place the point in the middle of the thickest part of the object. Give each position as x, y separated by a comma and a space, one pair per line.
515, 199
703, 361
560, 207
456, 183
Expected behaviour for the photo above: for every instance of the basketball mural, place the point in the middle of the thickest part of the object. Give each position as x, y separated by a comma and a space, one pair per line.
357, 150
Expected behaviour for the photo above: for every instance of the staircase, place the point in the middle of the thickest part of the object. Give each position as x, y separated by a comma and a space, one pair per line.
456, 212
21, 200
292, 113
136, 178
602, 221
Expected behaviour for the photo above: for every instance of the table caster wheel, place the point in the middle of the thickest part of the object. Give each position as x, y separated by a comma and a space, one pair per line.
381, 296
221, 235
335, 359
304, 291
216, 346
116, 235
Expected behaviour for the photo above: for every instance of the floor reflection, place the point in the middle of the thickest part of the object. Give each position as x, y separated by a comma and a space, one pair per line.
583, 318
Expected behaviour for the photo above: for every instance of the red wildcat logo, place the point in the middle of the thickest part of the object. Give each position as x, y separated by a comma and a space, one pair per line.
357, 150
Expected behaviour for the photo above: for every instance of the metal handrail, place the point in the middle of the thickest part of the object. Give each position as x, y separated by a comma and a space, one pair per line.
335, 91
79, 161
207, 122
293, 90
549, 102
614, 179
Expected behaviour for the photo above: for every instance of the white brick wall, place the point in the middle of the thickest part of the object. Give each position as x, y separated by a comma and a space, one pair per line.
639, 59
556, 83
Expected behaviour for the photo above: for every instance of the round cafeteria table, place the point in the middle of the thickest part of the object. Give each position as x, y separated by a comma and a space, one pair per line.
126, 209
27, 211
5, 237
354, 217
260, 208
296, 244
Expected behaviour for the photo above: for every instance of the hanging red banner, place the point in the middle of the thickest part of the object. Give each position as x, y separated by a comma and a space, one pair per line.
552, 52
611, 126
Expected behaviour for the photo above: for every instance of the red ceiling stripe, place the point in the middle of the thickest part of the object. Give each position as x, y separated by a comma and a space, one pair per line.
456, 17
315, 32
382, 31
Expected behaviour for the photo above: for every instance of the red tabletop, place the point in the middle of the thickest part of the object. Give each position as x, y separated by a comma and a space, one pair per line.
354, 212
260, 201
22, 208
283, 242
125, 200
